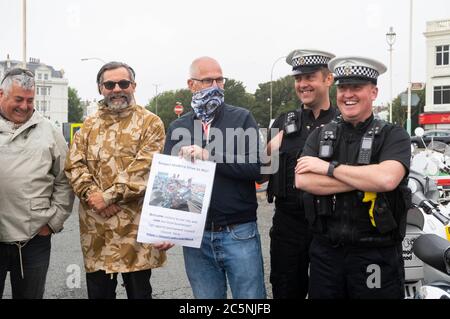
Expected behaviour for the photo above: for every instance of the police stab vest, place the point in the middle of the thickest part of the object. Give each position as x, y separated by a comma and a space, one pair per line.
345, 218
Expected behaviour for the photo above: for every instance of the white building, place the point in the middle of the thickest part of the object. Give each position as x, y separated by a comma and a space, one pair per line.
89, 108
51, 98
437, 108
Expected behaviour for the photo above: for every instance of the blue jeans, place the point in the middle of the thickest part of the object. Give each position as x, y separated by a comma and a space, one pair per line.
233, 254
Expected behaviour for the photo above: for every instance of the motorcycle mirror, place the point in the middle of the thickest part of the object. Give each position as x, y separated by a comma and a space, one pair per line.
419, 131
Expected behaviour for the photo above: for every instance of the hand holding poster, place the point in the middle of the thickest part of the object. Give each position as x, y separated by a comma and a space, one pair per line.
176, 201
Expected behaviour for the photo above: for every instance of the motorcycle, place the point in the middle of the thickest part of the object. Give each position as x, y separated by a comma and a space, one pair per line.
434, 251
434, 161
427, 216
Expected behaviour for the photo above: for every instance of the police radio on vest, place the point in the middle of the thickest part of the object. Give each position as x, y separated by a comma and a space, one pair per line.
290, 125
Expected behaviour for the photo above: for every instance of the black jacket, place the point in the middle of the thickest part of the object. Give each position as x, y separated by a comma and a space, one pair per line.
290, 150
343, 218
233, 199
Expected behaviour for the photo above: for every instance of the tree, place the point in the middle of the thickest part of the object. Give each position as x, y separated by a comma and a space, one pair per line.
283, 95
399, 112
166, 103
283, 99
235, 94
75, 109
333, 95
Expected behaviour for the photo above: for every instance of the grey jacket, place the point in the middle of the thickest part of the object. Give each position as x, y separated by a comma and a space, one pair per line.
34, 190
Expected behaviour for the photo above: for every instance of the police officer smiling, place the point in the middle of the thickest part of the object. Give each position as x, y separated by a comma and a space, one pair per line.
290, 238
353, 172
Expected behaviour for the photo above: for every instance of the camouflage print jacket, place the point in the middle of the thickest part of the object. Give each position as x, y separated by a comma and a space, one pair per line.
112, 153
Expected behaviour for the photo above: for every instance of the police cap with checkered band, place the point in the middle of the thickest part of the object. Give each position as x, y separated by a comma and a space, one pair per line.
308, 61
356, 70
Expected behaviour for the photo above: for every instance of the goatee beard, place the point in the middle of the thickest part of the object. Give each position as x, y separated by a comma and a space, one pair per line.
118, 106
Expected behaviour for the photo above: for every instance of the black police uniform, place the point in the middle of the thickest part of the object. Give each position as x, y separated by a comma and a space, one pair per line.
290, 238
348, 254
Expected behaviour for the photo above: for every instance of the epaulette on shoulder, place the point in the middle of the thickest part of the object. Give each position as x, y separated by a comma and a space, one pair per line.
377, 126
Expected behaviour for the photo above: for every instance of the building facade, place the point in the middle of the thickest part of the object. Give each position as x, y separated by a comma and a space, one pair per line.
51, 98
437, 108
89, 108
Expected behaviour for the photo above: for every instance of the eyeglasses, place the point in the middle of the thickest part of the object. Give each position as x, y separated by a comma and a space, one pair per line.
123, 84
17, 71
209, 81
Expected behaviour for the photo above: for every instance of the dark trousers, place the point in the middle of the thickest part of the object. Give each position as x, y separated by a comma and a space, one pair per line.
348, 272
103, 286
35, 262
289, 255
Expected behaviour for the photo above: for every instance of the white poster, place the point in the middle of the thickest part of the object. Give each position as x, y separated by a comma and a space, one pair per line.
176, 201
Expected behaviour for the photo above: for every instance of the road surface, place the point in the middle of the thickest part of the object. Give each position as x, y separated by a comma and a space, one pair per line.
66, 277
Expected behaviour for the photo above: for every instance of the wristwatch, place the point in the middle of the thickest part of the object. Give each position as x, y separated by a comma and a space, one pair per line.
331, 167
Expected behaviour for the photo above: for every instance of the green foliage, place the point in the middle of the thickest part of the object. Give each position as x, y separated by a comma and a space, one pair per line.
75, 108
235, 94
166, 103
333, 95
284, 99
399, 113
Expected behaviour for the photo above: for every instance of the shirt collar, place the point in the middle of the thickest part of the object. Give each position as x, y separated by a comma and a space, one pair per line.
361, 126
322, 113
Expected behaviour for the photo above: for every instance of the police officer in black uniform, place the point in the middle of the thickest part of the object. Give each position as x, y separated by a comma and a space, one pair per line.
289, 234
354, 174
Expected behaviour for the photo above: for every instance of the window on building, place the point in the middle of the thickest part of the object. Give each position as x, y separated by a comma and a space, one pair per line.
442, 94
46, 75
442, 55
43, 90
39, 76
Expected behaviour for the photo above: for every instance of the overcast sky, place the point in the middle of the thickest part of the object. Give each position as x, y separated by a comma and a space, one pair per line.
159, 39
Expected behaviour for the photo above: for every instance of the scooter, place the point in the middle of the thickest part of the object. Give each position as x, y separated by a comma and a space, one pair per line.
434, 251
426, 217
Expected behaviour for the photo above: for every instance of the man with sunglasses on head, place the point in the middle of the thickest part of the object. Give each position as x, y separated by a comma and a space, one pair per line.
231, 247
35, 196
108, 167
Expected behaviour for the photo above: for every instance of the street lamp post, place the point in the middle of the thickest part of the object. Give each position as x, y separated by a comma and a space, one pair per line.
98, 59
390, 38
271, 84
24, 33
408, 121
156, 85
43, 92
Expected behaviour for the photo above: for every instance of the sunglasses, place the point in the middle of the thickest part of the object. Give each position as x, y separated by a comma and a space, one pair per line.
17, 71
123, 84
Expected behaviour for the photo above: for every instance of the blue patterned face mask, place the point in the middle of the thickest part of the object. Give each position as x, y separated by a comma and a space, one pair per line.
205, 102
